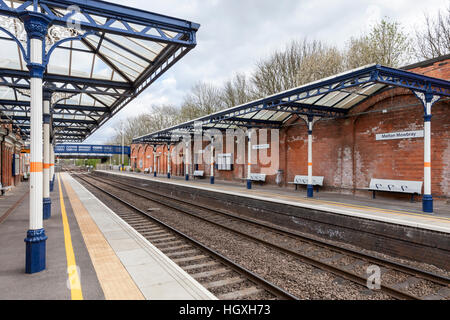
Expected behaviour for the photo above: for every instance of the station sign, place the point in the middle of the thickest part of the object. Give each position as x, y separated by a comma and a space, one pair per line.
400, 135
260, 146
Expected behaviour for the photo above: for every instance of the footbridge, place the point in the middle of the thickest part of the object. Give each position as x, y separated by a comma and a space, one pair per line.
88, 151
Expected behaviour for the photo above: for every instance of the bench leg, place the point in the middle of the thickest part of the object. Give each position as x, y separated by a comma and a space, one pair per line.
373, 194
412, 198
296, 187
317, 189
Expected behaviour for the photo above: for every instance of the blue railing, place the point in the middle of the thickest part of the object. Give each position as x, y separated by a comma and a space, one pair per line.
90, 149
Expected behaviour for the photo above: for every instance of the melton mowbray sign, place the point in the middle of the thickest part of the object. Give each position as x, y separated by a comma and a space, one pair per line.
400, 135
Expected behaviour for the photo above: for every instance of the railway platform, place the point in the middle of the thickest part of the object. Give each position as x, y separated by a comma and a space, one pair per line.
91, 253
398, 212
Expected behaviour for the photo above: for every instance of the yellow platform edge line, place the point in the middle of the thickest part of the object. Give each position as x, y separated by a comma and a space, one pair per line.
72, 270
113, 277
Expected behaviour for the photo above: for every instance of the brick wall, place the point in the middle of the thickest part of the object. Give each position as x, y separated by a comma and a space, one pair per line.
346, 153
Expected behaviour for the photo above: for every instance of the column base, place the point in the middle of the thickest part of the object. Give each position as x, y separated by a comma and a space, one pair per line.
168, 176
211, 180
427, 203
310, 191
35, 251
154, 174
51, 185
186, 177
47, 205
249, 184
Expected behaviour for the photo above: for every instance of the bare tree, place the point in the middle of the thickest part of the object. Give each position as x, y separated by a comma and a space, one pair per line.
386, 44
158, 118
434, 40
203, 99
237, 91
299, 63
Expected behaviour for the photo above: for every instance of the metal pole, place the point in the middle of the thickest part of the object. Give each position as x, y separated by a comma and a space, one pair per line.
187, 160
168, 161
154, 161
36, 26
427, 200
47, 201
212, 160
249, 165
310, 188
52, 167
122, 145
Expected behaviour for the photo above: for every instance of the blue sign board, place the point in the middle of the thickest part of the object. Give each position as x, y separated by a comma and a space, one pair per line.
90, 149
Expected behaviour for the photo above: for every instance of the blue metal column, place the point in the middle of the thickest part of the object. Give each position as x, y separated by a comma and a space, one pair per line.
428, 99
168, 161
36, 26
187, 145
154, 160
52, 166
310, 187
47, 201
249, 164
212, 161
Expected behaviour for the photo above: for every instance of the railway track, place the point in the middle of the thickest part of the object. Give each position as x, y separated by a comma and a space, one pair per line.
226, 279
304, 249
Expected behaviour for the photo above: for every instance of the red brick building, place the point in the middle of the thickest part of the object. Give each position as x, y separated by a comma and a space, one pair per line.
346, 151
12, 160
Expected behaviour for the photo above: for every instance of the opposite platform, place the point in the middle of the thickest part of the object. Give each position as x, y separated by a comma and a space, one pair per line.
395, 212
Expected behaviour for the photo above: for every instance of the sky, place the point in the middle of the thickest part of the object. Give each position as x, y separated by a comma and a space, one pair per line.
235, 34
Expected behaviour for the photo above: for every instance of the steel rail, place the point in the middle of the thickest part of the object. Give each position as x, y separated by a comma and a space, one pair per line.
345, 274
268, 286
426, 275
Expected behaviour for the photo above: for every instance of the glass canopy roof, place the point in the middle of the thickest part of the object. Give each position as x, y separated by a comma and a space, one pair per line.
331, 97
102, 56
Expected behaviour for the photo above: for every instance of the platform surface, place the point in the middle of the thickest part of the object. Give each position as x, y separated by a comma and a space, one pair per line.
91, 253
52, 283
399, 212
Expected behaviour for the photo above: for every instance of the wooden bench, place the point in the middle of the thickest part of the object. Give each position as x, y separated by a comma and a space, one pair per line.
147, 170
401, 186
256, 177
303, 180
199, 174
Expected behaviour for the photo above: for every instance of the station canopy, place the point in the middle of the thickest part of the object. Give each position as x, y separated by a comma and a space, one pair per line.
102, 56
331, 97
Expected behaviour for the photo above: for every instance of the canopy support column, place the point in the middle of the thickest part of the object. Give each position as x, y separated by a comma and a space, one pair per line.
249, 164
310, 187
154, 161
168, 162
187, 159
428, 99
212, 161
52, 166
47, 201
36, 26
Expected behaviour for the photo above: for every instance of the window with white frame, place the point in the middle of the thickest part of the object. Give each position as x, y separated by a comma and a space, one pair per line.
225, 161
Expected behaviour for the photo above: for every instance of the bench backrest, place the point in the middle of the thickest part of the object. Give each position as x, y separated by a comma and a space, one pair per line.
199, 173
257, 176
396, 185
317, 181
